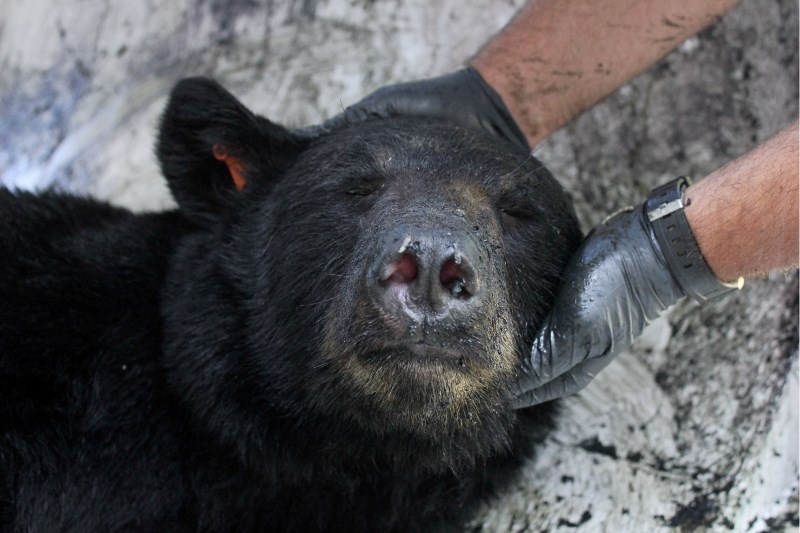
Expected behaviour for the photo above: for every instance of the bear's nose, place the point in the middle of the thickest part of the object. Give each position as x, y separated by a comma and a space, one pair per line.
427, 273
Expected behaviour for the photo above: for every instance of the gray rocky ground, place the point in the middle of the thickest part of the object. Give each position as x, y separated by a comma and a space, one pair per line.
694, 429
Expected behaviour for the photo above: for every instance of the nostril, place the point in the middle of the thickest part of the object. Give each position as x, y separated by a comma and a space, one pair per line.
401, 270
454, 278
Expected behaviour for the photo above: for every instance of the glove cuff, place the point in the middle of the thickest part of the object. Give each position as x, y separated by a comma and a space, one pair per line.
664, 210
508, 127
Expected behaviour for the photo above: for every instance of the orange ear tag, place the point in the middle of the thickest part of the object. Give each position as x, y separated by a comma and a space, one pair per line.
235, 166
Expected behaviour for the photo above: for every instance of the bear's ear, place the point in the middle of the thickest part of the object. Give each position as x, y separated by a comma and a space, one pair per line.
211, 147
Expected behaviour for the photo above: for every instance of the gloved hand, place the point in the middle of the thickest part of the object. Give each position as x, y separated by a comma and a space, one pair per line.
616, 283
462, 97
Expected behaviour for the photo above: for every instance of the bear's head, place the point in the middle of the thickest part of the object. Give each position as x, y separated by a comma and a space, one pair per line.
372, 288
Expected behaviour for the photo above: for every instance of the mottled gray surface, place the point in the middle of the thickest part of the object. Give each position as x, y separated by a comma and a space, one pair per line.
697, 429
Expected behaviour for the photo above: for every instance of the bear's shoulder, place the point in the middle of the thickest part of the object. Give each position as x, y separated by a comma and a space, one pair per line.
61, 236
79, 291
79, 352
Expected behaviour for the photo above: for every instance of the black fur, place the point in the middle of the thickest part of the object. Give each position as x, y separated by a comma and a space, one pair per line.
219, 368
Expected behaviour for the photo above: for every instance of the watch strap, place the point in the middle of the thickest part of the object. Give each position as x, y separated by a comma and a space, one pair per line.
665, 211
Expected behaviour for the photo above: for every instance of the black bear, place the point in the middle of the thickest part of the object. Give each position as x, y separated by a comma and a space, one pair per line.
324, 336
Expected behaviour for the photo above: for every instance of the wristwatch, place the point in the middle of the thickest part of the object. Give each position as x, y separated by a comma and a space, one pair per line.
664, 210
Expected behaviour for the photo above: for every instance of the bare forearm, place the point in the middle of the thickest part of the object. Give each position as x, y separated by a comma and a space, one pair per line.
557, 58
745, 215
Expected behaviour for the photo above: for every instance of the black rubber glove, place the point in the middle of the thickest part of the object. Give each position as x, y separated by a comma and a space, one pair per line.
616, 283
462, 97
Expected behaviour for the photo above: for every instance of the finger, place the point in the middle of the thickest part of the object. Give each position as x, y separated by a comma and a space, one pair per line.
564, 385
317, 130
334, 123
553, 353
349, 116
539, 366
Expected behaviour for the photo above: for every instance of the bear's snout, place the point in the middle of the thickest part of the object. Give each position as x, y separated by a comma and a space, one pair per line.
431, 275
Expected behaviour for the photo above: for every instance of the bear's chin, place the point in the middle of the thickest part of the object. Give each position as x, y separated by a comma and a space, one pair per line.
437, 396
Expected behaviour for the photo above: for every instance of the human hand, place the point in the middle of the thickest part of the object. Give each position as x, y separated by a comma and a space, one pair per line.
616, 283
462, 97
629, 269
